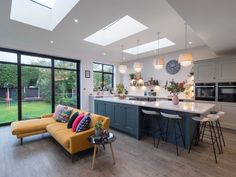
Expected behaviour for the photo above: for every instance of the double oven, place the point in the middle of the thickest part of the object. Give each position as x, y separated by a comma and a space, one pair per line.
221, 92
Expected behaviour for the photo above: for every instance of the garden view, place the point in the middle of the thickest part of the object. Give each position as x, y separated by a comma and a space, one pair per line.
36, 88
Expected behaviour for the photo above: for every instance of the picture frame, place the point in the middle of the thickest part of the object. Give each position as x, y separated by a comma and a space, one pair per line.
87, 74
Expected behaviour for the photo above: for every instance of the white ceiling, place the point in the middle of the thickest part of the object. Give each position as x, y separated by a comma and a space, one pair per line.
93, 15
214, 21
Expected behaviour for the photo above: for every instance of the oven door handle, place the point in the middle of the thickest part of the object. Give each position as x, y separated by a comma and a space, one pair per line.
204, 86
227, 86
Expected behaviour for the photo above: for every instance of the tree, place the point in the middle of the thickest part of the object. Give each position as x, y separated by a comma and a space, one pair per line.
8, 76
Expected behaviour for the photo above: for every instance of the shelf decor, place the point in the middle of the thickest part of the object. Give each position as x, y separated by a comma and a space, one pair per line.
175, 88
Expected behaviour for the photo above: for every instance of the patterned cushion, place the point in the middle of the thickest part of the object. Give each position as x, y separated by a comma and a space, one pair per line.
57, 111
72, 119
77, 121
64, 115
84, 123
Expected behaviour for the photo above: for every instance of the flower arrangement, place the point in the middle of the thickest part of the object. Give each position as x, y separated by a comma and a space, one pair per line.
174, 87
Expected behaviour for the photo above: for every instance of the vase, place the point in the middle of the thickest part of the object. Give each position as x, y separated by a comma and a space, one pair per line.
98, 132
175, 100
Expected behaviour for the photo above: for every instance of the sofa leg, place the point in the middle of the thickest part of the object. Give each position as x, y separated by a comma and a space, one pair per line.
21, 141
72, 158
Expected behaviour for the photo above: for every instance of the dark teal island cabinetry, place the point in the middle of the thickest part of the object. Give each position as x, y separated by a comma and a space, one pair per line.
123, 117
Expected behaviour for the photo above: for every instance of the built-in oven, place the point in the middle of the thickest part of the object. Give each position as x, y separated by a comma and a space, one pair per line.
205, 91
227, 92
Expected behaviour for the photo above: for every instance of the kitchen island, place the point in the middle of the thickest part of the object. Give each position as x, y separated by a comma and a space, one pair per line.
126, 115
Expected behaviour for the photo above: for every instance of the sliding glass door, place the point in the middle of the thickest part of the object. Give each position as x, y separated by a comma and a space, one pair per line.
36, 86
8, 87
65, 83
32, 85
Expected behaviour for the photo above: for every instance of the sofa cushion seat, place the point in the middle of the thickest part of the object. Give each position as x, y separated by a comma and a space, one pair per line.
29, 126
53, 128
63, 137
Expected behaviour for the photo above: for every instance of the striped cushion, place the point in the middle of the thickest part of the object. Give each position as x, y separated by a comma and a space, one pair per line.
84, 123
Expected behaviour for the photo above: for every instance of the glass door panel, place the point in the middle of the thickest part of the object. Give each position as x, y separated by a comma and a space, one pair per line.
66, 87
36, 91
8, 93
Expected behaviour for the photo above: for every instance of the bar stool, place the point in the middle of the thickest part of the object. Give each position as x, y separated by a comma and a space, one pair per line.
153, 116
206, 121
175, 119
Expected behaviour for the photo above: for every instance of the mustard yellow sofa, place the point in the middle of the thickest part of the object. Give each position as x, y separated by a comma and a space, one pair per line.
71, 141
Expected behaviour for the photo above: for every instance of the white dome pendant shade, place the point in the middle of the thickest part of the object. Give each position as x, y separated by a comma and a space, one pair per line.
186, 59
159, 63
122, 69
138, 67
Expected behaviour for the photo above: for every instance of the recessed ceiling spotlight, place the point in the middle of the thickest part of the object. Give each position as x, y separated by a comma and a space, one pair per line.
104, 54
190, 43
51, 42
76, 20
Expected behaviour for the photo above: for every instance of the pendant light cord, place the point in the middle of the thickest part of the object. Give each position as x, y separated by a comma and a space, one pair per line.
186, 36
138, 49
122, 53
158, 49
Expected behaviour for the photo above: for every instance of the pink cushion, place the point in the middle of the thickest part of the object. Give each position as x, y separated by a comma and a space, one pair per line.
77, 121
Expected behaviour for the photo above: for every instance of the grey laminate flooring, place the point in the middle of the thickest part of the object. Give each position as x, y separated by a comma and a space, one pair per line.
41, 156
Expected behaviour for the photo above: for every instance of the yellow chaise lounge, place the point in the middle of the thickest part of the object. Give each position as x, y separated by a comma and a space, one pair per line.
71, 141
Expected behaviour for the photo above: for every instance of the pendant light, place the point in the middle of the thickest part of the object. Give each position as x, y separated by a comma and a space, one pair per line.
137, 65
186, 58
122, 68
158, 62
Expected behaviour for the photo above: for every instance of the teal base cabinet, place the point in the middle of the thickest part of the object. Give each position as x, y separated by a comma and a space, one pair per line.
123, 117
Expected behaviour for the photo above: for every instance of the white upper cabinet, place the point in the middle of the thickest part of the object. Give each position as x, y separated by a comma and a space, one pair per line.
215, 70
205, 72
227, 71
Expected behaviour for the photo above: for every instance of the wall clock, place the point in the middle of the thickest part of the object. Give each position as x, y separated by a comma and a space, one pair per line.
173, 67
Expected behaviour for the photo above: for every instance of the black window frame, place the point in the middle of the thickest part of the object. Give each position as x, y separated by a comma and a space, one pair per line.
52, 67
104, 72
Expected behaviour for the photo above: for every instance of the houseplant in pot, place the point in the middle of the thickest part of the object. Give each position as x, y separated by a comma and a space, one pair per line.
98, 128
120, 90
175, 88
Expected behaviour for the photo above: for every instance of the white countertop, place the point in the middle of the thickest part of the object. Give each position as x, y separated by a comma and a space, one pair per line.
189, 107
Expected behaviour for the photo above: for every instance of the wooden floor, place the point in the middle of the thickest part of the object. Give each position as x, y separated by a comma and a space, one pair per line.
41, 156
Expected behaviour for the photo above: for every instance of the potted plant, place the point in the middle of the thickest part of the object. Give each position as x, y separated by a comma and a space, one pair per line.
120, 90
98, 128
175, 88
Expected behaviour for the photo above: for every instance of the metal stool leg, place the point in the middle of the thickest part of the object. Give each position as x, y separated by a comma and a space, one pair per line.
212, 140
203, 131
167, 128
176, 142
214, 133
218, 122
181, 134
219, 138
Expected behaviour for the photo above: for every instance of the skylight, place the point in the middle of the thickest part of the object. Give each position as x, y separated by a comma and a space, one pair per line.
46, 3
45, 14
164, 42
116, 31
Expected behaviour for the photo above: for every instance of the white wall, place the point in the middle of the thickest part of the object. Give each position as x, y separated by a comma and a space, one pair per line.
87, 83
148, 71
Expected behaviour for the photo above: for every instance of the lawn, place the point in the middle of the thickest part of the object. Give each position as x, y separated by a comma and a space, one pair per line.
29, 109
